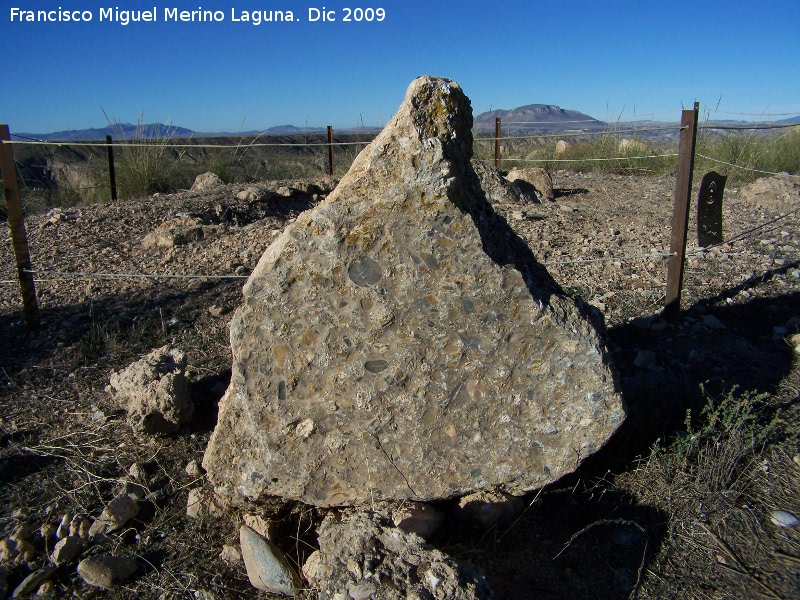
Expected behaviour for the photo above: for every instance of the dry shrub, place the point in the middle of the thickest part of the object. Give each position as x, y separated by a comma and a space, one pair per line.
718, 482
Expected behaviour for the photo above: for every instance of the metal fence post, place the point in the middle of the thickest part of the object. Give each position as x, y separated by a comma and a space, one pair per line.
16, 223
680, 211
330, 148
497, 143
111, 173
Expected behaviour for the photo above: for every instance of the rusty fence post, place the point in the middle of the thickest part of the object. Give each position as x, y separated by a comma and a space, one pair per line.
330, 148
16, 223
680, 211
111, 173
497, 143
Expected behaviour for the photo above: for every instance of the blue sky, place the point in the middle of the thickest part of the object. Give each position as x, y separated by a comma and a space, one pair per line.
602, 58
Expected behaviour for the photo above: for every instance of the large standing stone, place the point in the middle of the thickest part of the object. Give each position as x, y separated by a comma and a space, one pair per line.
400, 341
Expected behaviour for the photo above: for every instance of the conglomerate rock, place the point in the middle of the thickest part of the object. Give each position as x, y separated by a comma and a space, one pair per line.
360, 557
400, 341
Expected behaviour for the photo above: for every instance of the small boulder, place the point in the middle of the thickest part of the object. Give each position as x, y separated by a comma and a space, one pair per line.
155, 392
176, 232
105, 571
267, 567
561, 146
251, 194
206, 181
533, 182
66, 549
362, 558
114, 516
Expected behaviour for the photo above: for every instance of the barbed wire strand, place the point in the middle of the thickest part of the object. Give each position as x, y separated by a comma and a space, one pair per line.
608, 258
547, 160
750, 127
722, 162
84, 275
743, 234
576, 134
133, 144
727, 112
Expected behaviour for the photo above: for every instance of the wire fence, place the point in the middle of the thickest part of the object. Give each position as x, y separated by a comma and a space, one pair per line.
49, 274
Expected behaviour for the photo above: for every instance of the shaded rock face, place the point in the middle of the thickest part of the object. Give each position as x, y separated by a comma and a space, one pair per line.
399, 341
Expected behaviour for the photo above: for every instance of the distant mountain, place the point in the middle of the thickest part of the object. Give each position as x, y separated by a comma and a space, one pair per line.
790, 120
292, 130
536, 118
128, 131
122, 131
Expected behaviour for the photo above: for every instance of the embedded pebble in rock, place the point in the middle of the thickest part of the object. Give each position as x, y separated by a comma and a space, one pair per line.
105, 571
400, 341
66, 549
360, 558
267, 567
118, 512
32, 582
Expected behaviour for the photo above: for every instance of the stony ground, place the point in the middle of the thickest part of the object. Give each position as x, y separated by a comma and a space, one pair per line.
65, 446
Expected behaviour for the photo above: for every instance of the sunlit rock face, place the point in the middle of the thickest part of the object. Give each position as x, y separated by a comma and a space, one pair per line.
400, 341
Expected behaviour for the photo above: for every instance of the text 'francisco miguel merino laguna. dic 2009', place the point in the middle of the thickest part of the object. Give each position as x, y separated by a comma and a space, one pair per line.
175, 15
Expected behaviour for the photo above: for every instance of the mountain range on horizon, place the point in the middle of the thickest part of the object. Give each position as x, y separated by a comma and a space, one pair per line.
528, 119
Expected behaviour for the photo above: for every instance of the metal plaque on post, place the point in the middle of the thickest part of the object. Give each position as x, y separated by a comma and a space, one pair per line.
709, 209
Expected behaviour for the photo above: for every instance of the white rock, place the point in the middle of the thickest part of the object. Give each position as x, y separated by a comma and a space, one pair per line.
267, 567
63, 526
118, 512
781, 518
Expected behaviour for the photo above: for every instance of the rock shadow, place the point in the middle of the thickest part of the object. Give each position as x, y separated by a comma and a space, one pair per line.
502, 244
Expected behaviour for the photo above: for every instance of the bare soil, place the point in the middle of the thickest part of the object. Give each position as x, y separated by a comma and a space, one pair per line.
65, 445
